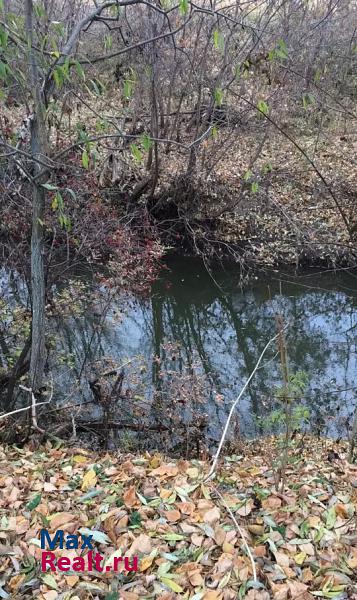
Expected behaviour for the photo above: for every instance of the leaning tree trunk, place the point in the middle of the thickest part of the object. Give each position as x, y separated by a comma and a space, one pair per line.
38, 152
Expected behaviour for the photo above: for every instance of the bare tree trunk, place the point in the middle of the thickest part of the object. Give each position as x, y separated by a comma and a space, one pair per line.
38, 151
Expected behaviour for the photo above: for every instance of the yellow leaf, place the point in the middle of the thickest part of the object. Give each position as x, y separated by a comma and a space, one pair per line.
300, 558
193, 472
146, 563
228, 548
79, 458
175, 587
155, 462
89, 480
256, 529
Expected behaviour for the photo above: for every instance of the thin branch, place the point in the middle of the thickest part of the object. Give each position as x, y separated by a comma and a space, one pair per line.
306, 156
34, 405
14, 412
233, 407
240, 531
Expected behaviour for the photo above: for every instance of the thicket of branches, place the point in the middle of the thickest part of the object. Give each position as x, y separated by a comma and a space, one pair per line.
182, 83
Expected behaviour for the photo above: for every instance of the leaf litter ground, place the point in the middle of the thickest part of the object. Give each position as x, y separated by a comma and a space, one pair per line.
303, 540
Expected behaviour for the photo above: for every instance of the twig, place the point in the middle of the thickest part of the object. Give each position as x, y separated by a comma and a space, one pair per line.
233, 407
240, 531
33, 406
13, 412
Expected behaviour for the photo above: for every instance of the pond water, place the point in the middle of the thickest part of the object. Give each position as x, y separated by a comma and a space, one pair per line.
198, 337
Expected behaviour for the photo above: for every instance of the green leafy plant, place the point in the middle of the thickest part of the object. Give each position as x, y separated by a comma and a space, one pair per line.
290, 414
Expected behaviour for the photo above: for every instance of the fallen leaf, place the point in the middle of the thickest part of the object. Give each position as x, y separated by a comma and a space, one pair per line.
300, 558
60, 519
129, 497
212, 516
89, 480
172, 515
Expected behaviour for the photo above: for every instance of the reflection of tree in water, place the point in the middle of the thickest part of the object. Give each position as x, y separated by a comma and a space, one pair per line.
221, 331
229, 330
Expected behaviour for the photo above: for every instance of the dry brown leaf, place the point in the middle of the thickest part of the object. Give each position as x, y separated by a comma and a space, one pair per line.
172, 515
341, 511
129, 497
271, 503
51, 595
60, 519
246, 509
141, 544
212, 595
282, 559
72, 580
212, 516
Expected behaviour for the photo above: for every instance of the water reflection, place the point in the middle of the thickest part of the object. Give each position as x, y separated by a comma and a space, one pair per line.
206, 321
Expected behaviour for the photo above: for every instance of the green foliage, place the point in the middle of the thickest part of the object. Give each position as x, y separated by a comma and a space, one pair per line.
218, 40
129, 84
307, 100
135, 520
115, 11
108, 42
296, 386
59, 28
49, 186
39, 10
267, 168
146, 142
183, 7
166, 4
85, 159
112, 596
4, 36
254, 187
136, 152
4, 71
288, 395
34, 502
262, 107
81, 132
58, 205
97, 87
280, 51
80, 70
61, 73
218, 96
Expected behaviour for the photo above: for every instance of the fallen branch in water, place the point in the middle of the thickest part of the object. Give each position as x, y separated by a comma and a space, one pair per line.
233, 407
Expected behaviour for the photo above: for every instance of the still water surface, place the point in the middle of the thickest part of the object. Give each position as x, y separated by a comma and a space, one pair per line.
202, 323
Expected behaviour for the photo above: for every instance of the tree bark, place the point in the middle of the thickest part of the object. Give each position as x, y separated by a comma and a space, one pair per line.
38, 151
